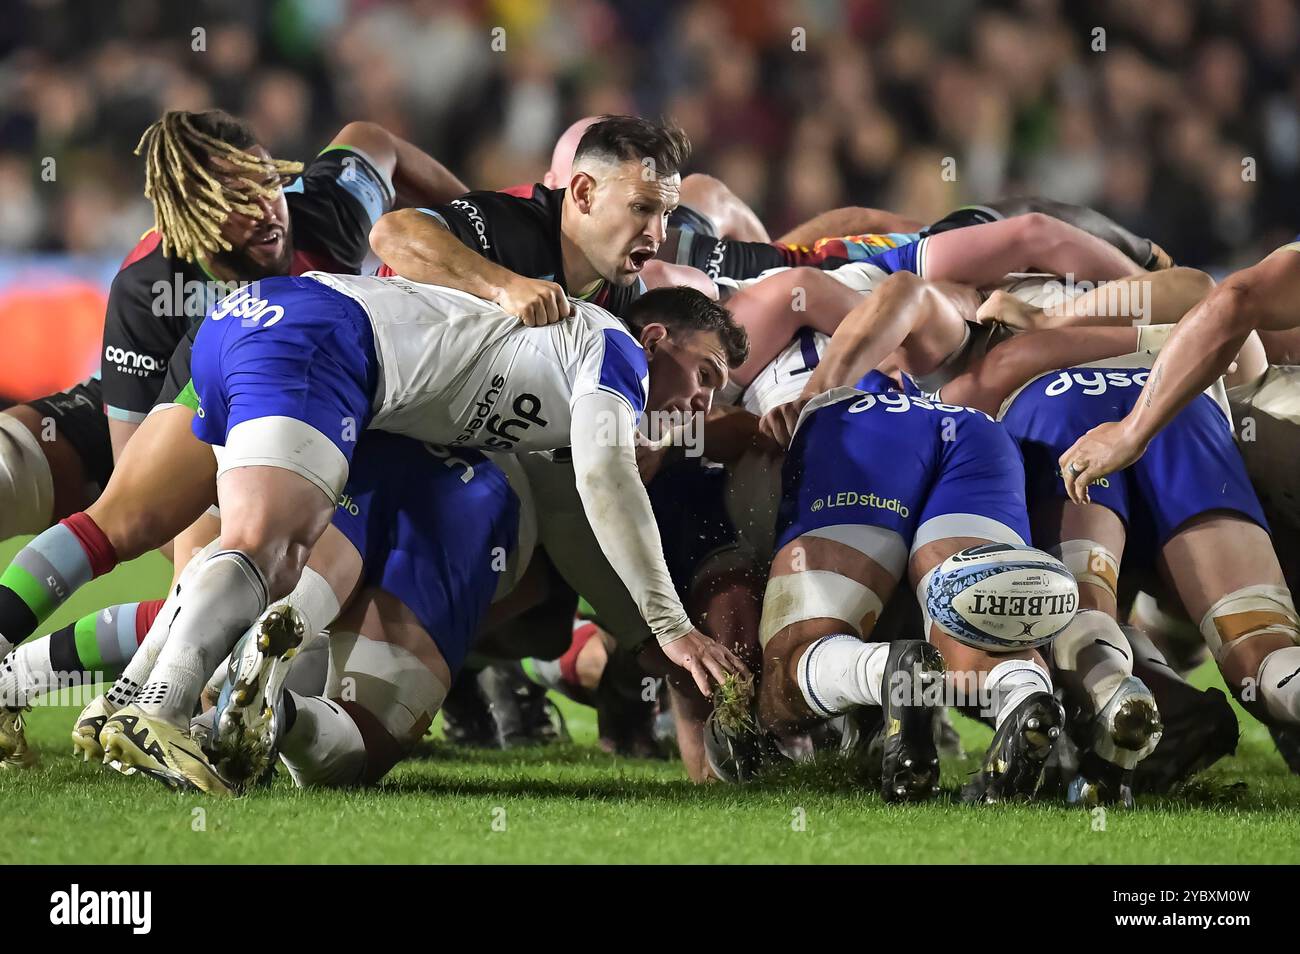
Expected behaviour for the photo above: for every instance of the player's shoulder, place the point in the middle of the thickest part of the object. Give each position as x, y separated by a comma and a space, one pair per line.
146, 265
539, 203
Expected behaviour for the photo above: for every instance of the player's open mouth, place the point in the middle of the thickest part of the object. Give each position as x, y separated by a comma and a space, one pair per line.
272, 236
639, 257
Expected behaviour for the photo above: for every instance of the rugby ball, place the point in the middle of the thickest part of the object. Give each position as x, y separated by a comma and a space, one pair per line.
998, 596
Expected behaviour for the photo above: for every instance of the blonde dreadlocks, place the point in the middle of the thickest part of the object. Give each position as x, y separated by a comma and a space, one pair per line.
190, 204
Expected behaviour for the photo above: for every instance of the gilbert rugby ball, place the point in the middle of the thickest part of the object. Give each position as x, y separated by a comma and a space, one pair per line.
1000, 596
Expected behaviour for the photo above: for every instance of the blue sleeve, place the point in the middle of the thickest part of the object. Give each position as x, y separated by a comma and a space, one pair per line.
623, 369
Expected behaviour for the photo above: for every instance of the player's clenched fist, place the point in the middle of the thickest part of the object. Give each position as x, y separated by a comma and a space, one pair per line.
707, 660
535, 301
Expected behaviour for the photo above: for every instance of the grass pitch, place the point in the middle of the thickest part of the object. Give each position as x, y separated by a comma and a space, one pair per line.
574, 804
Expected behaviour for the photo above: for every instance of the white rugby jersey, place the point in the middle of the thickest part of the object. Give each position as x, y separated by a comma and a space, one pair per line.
460, 371
783, 379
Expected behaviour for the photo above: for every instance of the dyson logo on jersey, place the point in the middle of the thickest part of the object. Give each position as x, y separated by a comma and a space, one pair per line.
896, 402
1094, 382
475, 219
851, 498
506, 429
248, 308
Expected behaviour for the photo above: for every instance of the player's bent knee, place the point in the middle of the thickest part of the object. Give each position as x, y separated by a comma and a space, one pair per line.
26, 483
1247, 614
389, 682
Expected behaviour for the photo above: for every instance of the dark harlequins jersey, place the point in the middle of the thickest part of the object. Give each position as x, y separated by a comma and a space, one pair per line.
156, 299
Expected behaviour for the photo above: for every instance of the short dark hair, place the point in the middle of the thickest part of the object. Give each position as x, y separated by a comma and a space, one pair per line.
682, 308
630, 137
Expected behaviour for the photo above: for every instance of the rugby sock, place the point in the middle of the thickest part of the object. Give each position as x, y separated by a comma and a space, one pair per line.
1279, 684
225, 596
1008, 684
97, 645
561, 675
322, 746
1092, 656
839, 672
127, 685
47, 571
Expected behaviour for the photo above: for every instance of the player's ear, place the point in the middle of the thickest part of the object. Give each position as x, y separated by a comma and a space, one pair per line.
582, 187
652, 336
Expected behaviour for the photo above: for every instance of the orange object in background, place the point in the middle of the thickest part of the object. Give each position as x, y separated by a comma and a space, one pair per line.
50, 333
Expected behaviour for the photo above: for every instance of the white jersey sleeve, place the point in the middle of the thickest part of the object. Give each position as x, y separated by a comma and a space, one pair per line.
459, 371
618, 509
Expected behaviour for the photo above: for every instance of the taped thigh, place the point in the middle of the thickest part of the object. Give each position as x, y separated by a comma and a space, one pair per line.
389, 682
26, 484
814, 594
289, 444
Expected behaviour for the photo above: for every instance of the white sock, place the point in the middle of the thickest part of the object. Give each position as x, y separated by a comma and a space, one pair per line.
323, 747
314, 600
225, 596
840, 672
1092, 656
26, 672
1010, 681
127, 686
1279, 684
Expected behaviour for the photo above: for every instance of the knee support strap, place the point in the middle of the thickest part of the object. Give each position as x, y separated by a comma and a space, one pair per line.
389, 682
813, 594
1251, 611
1090, 562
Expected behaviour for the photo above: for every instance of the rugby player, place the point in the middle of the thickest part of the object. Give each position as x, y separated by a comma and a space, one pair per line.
422, 540
334, 355
1202, 347
940, 478
225, 212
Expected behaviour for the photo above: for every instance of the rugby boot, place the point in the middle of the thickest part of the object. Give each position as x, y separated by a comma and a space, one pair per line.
1126, 731
1287, 740
466, 718
89, 725
1012, 767
15, 753
911, 700
249, 715
154, 747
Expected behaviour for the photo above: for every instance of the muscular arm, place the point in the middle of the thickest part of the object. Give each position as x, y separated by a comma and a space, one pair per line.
417, 177
609, 484
773, 310
907, 313
119, 432
1263, 297
1151, 298
419, 247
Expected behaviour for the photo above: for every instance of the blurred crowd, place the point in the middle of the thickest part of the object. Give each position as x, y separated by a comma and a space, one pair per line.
1180, 118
